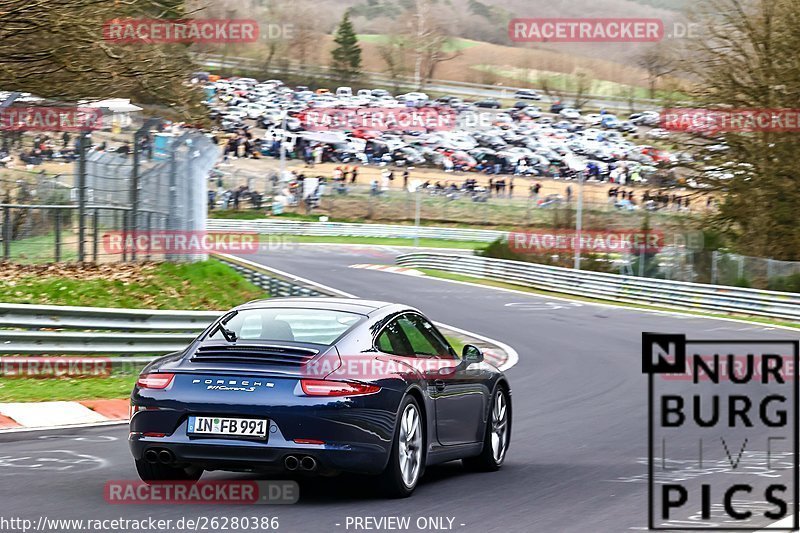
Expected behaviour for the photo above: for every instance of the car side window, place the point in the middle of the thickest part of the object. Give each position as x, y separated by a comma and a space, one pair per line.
392, 340
422, 336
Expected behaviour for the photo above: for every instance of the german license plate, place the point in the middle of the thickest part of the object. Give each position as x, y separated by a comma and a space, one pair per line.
255, 428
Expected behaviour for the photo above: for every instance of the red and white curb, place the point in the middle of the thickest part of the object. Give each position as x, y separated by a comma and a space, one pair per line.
389, 268
16, 416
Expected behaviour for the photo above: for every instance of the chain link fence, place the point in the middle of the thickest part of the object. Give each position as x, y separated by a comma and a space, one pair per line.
94, 206
758, 272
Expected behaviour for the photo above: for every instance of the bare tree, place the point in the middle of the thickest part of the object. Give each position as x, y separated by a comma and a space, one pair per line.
656, 61
57, 50
394, 53
428, 42
747, 60
583, 83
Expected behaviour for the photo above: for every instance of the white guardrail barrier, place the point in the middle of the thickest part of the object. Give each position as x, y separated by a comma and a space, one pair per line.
614, 287
347, 229
140, 335
63, 330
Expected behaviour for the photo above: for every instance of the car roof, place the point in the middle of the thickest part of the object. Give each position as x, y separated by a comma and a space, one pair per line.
351, 305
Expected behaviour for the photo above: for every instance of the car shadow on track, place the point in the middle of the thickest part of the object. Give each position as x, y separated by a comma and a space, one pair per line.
353, 487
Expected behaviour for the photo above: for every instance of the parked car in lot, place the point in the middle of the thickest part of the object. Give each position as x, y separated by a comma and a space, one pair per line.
489, 103
570, 113
320, 386
532, 112
657, 133
646, 118
527, 94
412, 97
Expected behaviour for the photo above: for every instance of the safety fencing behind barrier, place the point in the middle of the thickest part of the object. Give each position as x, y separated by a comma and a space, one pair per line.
347, 229
613, 287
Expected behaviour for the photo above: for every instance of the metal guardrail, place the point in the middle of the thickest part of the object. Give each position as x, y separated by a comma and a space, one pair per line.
347, 229
95, 318
613, 287
276, 286
66, 330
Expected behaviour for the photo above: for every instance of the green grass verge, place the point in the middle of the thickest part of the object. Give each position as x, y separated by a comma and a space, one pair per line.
491, 283
453, 44
560, 81
41, 249
207, 285
65, 389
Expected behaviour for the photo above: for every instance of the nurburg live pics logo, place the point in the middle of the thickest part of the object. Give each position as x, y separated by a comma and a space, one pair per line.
722, 433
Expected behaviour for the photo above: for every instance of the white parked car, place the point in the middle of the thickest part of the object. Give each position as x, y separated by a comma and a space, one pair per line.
657, 133
570, 113
413, 97
593, 118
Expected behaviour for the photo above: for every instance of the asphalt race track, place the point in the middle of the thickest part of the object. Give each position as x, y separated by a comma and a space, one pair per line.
577, 460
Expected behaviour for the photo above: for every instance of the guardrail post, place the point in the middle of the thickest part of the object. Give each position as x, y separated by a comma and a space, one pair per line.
6, 232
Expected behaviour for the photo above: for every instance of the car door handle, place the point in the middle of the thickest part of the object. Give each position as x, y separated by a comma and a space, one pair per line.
439, 384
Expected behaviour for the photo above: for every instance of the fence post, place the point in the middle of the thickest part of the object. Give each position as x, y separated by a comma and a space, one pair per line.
83, 137
95, 234
57, 229
125, 229
148, 223
6, 232
714, 258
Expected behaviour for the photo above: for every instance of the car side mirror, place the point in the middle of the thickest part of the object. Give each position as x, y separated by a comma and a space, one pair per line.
471, 354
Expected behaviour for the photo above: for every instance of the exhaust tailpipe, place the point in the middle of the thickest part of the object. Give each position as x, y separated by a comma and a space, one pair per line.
308, 463
151, 456
291, 462
165, 457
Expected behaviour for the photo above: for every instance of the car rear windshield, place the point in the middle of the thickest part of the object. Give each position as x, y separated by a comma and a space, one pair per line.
319, 326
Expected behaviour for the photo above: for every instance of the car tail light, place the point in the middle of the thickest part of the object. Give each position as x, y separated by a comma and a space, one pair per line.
154, 381
321, 387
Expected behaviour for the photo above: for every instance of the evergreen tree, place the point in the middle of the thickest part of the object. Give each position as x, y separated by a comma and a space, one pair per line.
347, 54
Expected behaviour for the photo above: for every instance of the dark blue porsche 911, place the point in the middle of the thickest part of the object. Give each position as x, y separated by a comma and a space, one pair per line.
319, 385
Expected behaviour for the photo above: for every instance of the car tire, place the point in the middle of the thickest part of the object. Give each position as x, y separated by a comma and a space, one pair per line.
400, 477
497, 436
157, 472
